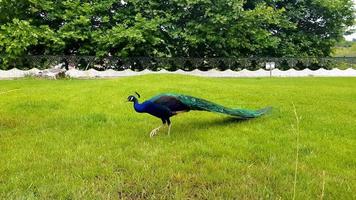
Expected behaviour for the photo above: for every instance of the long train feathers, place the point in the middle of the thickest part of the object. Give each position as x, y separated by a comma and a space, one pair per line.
194, 103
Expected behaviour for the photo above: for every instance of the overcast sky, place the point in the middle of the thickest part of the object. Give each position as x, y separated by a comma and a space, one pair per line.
350, 37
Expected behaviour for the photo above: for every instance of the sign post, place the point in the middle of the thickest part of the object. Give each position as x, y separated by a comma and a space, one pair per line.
270, 66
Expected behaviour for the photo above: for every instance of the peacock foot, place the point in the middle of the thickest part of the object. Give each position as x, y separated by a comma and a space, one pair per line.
155, 131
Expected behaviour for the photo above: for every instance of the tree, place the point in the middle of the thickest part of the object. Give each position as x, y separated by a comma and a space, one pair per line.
174, 28
319, 25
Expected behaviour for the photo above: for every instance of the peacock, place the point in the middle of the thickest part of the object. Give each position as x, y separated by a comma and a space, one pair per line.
166, 105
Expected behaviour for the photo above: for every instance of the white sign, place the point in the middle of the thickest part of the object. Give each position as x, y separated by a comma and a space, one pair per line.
270, 65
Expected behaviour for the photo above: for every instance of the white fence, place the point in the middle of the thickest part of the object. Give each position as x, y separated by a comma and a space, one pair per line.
92, 73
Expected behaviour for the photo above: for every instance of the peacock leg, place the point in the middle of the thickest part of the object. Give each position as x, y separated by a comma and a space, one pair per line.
155, 131
169, 127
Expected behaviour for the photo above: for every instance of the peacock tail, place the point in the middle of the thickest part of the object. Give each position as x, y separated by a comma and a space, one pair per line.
195, 103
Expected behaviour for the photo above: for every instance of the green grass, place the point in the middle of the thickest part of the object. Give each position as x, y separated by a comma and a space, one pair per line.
79, 139
345, 51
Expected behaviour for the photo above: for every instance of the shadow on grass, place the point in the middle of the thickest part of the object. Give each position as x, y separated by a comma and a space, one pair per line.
224, 121
203, 124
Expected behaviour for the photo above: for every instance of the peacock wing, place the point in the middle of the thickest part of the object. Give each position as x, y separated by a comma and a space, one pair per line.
180, 103
171, 102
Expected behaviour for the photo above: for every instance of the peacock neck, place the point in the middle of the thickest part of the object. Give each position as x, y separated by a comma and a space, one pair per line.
138, 107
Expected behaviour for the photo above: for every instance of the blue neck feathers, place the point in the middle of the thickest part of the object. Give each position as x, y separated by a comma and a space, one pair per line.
138, 107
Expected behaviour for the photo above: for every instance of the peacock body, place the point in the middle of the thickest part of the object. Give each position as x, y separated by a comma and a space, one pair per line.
194, 103
167, 105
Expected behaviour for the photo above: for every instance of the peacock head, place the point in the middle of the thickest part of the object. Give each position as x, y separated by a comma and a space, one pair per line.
133, 98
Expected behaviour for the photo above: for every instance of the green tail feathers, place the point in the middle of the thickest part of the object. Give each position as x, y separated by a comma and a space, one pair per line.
200, 104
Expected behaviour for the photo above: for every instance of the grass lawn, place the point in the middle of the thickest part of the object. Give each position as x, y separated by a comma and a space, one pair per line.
345, 51
79, 139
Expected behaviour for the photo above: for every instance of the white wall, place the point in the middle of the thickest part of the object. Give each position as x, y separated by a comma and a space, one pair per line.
16, 73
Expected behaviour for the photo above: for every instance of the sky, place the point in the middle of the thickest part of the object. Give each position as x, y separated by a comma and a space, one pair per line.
353, 36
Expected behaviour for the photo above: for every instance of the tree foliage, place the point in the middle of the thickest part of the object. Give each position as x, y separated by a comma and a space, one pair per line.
174, 28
